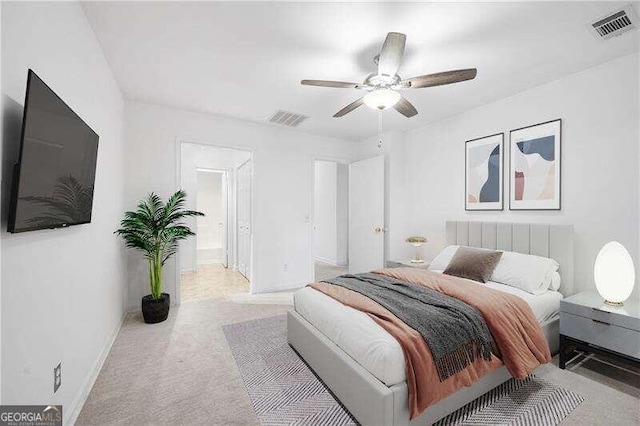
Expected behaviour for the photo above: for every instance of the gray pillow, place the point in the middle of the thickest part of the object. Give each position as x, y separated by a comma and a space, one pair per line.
473, 264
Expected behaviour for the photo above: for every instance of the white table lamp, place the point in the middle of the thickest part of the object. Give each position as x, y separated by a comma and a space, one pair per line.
614, 273
417, 242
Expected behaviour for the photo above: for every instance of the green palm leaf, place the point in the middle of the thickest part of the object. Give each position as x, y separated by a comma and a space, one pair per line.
155, 228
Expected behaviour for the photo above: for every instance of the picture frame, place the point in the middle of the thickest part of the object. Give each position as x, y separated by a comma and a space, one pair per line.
535, 166
484, 173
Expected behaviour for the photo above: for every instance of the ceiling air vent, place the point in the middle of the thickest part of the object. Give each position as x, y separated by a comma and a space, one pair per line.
616, 23
288, 119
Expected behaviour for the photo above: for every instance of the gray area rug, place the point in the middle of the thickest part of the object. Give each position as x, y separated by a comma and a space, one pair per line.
284, 390
529, 402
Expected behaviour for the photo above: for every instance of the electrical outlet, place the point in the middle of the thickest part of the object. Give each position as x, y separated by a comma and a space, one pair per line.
57, 377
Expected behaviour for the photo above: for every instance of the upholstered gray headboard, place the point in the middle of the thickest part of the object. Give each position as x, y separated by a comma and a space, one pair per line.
554, 241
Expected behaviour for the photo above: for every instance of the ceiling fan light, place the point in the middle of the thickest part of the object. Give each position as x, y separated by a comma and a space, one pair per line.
381, 99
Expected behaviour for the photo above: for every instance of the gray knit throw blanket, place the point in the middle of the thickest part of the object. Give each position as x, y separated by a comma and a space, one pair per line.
455, 332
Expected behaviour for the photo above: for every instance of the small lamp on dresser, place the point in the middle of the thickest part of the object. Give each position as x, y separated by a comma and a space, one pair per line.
614, 273
417, 242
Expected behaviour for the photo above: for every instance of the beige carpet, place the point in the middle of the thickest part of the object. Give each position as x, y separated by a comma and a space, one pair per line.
182, 372
324, 271
278, 298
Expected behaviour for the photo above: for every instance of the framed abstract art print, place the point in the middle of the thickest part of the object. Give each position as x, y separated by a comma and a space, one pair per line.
534, 173
484, 173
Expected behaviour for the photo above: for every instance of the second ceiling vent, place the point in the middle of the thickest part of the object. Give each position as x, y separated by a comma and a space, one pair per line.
289, 119
616, 23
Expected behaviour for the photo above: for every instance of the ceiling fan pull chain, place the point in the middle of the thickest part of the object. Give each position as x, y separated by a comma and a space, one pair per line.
380, 129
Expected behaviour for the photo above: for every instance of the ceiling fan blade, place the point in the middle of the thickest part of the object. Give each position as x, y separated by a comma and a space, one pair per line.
391, 54
346, 110
327, 83
441, 78
405, 108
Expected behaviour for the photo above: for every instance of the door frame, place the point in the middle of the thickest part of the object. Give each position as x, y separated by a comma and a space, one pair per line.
312, 211
237, 266
178, 184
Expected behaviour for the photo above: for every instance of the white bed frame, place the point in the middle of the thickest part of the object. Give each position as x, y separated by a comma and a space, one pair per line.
372, 402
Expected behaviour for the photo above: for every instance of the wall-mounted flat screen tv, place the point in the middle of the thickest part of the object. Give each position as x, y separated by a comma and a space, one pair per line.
54, 177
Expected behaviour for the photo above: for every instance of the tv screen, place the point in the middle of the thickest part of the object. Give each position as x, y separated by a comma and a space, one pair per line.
54, 177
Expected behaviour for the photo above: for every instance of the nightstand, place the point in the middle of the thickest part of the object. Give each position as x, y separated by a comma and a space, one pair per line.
588, 325
405, 263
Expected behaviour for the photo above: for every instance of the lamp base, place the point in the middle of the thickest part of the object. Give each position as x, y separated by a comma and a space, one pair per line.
417, 261
613, 303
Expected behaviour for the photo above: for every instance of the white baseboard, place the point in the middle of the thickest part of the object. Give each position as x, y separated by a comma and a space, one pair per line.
85, 390
329, 261
285, 289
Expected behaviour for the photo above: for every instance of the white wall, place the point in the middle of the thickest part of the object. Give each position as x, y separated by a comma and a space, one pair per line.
209, 232
599, 112
282, 186
62, 290
325, 244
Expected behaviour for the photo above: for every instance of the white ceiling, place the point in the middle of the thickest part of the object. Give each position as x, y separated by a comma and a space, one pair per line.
246, 60
210, 157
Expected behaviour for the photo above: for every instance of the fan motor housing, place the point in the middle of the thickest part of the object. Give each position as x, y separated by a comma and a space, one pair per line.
378, 80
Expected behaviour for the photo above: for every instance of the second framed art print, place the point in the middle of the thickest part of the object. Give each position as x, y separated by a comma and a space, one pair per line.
484, 173
534, 172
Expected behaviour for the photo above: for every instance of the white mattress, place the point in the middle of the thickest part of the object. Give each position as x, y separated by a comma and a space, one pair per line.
370, 345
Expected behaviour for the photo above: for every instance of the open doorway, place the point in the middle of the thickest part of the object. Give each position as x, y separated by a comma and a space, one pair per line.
331, 219
216, 263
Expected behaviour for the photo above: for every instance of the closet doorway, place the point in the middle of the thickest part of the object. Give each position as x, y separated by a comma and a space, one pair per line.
216, 262
330, 219
211, 229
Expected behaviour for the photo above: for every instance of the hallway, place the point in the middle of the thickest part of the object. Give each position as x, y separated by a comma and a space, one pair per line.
212, 281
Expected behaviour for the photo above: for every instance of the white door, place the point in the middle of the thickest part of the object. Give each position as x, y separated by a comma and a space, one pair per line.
366, 215
244, 219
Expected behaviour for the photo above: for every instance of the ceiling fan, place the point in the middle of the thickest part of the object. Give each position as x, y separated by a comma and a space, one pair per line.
384, 85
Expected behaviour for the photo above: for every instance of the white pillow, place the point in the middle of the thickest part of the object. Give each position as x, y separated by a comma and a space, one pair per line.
555, 282
441, 261
533, 274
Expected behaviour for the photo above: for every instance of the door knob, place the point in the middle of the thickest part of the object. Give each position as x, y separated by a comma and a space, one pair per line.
378, 229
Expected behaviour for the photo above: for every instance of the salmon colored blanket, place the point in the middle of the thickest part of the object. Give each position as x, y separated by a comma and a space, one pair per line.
515, 329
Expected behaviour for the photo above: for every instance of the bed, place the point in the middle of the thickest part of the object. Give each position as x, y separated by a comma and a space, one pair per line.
363, 365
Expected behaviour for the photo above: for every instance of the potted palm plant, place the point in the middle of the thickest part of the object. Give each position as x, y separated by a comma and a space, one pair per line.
155, 229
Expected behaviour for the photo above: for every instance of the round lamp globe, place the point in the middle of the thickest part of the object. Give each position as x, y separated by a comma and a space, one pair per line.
614, 273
